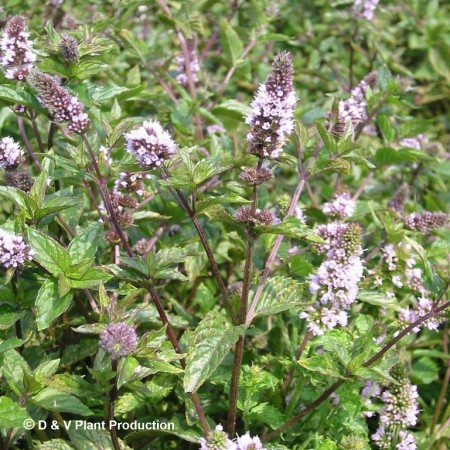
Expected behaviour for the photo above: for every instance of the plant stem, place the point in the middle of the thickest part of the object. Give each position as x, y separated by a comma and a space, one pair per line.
113, 394
103, 189
51, 135
173, 339
293, 420
36, 132
303, 175
26, 142
179, 197
288, 379
239, 349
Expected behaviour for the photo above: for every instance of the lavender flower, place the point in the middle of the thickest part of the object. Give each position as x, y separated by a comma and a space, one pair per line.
246, 442
194, 64
272, 116
414, 142
336, 282
13, 251
389, 255
218, 440
352, 111
399, 411
426, 221
56, 98
11, 153
150, 144
118, 339
364, 9
400, 405
17, 54
342, 205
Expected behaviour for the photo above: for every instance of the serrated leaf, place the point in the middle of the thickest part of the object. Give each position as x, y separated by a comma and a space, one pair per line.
9, 316
55, 204
231, 43
37, 192
213, 338
48, 253
84, 244
323, 364
11, 414
54, 400
8, 344
327, 138
280, 294
90, 279
50, 304
291, 227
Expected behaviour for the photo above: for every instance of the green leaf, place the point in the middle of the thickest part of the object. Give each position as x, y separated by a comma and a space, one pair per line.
327, 138
232, 108
55, 444
213, 339
17, 196
227, 198
63, 285
50, 304
85, 69
291, 227
207, 168
323, 364
48, 253
84, 245
11, 414
91, 279
37, 192
9, 316
424, 371
8, 344
231, 43
390, 156
387, 130
17, 95
280, 294
55, 204
54, 400
103, 93
267, 414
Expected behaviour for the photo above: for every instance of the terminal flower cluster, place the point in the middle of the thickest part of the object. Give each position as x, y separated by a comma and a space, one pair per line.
56, 98
272, 117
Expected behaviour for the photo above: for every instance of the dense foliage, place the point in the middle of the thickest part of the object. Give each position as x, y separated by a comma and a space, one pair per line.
228, 217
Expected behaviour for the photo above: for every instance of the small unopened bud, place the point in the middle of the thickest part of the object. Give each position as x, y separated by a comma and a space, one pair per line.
69, 48
254, 176
259, 217
20, 179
